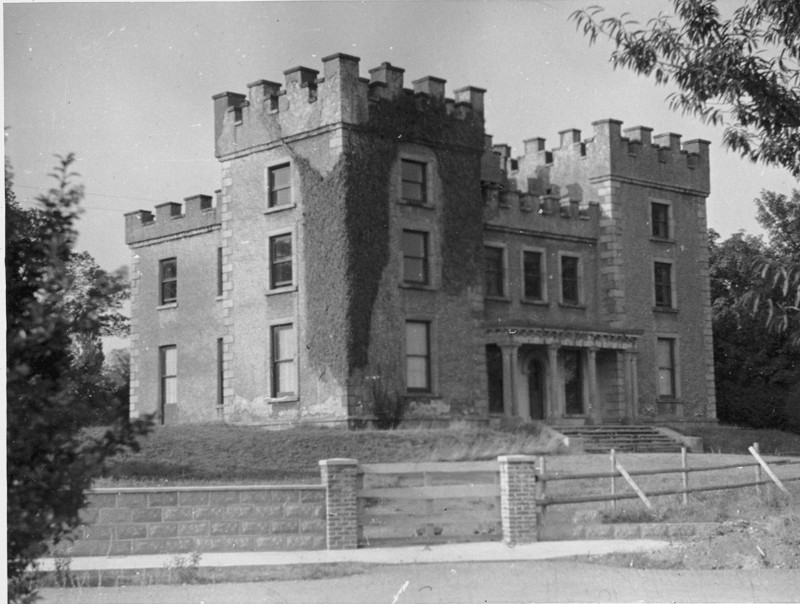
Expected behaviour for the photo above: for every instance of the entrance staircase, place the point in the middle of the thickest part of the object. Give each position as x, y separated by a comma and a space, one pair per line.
634, 439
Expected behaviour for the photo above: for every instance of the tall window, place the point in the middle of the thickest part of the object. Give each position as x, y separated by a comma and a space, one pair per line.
415, 257
280, 258
168, 278
283, 361
662, 273
570, 284
494, 271
220, 372
494, 369
414, 186
532, 272
418, 356
219, 271
665, 358
168, 374
280, 186
659, 218
573, 382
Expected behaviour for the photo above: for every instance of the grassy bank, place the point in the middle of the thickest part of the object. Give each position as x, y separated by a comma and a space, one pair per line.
225, 453
732, 439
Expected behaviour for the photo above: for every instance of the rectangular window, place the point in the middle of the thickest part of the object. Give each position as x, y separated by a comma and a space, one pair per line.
414, 186
659, 218
532, 272
494, 369
665, 358
662, 273
570, 280
168, 279
494, 271
283, 361
219, 271
280, 186
280, 258
573, 382
168, 374
220, 372
415, 257
418, 356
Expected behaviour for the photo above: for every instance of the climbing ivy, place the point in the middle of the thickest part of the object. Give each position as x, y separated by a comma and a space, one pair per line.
347, 222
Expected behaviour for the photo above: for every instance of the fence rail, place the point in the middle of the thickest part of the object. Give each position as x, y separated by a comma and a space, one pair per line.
543, 500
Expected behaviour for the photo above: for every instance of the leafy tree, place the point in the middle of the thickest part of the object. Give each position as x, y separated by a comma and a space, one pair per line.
51, 460
757, 371
742, 72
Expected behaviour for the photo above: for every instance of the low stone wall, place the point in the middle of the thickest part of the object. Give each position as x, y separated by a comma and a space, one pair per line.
137, 521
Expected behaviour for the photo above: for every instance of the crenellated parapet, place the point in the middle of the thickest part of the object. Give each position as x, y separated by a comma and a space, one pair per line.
308, 102
548, 213
200, 214
632, 155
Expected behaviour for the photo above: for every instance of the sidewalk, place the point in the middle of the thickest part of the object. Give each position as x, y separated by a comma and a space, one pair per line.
457, 552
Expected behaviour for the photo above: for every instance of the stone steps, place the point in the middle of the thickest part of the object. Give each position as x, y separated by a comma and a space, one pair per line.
635, 439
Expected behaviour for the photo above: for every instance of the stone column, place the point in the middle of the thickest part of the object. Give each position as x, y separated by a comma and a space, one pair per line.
594, 390
554, 383
518, 510
340, 478
631, 384
510, 377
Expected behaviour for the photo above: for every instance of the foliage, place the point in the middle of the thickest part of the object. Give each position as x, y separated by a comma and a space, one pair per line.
757, 371
50, 463
388, 407
742, 72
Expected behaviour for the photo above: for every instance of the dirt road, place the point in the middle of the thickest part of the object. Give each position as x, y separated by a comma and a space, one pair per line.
552, 581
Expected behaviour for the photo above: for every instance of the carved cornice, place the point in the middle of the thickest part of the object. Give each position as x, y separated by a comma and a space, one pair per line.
578, 338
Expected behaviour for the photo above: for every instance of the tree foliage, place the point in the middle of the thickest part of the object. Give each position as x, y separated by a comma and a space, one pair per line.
742, 72
51, 460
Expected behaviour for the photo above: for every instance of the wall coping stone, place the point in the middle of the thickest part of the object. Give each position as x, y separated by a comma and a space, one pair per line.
516, 459
339, 461
188, 489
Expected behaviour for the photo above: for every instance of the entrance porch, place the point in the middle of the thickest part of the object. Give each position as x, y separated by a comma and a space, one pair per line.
561, 376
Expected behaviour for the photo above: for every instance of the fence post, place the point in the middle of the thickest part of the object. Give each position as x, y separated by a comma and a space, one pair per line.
769, 472
614, 479
684, 465
340, 478
518, 498
758, 471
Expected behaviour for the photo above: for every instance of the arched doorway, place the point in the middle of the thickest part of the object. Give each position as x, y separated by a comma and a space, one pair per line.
535, 371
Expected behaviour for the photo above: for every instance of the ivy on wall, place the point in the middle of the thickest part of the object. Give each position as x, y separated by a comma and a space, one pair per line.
347, 222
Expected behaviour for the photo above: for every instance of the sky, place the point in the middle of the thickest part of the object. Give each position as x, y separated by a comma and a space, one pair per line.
127, 87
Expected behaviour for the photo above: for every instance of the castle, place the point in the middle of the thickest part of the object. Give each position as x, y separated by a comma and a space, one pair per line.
371, 250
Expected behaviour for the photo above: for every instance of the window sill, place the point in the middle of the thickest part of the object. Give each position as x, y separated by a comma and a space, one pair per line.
418, 286
281, 290
421, 206
219, 298
421, 394
283, 208
572, 305
667, 240
497, 298
167, 306
543, 303
670, 310
289, 398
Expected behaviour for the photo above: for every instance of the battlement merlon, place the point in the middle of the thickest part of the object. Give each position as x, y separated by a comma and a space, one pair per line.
200, 215
270, 113
633, 155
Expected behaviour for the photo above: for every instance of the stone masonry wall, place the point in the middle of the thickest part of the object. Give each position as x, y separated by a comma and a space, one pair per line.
138, 521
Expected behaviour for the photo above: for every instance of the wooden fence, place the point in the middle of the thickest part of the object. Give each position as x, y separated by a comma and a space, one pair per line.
430, 502
545, 500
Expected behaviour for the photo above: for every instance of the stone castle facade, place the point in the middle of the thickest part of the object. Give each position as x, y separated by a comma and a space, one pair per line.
371, 248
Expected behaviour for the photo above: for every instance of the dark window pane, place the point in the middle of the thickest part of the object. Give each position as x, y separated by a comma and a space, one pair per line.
573, 382
418, 360
281, 258
280, 186
663, 284
494, 368
493, 269
570, 290
415, 256
532, 265
660, 220
413, 181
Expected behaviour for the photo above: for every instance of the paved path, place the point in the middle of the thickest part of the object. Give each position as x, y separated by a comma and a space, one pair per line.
453, 552
463, 583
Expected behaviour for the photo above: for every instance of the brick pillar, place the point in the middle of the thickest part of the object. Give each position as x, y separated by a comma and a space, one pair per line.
340, 478
518, 498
